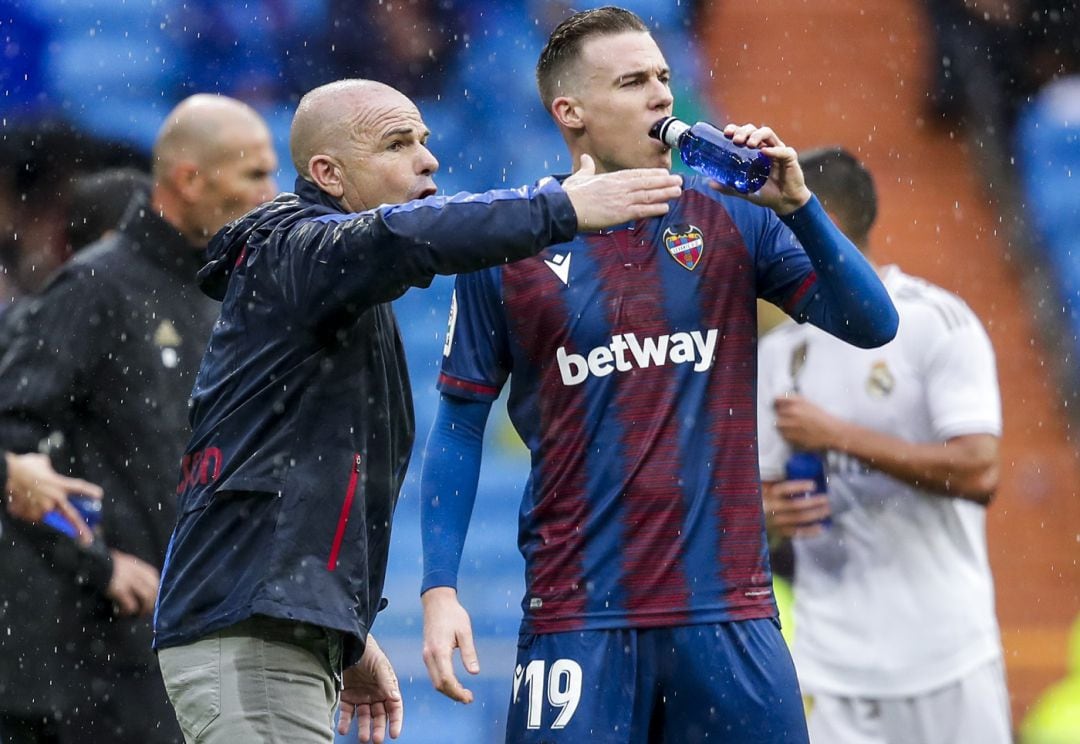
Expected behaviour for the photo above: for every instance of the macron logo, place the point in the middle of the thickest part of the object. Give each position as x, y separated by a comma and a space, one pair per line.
626, 352
560, 264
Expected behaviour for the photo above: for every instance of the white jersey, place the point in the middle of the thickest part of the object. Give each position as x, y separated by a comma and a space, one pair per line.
895, 598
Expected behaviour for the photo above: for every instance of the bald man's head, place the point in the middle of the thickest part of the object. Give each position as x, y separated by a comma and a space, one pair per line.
213, 161
363, 143
329, 115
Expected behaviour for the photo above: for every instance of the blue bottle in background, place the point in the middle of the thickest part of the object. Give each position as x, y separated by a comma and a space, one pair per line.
88, 508
704, 148
808, 466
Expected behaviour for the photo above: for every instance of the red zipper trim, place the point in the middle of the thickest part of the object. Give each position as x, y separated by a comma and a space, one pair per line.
343, 518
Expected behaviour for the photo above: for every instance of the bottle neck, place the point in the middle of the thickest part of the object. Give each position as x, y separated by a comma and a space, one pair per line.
673, 132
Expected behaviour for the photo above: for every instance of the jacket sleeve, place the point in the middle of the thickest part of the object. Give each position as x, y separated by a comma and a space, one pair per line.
353, 261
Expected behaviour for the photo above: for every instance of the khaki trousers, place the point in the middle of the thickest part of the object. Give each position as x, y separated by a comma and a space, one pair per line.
262, 680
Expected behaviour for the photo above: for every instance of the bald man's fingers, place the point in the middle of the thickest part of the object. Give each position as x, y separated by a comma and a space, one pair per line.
613, 198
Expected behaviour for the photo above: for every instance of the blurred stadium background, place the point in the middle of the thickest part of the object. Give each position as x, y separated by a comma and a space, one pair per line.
977, 175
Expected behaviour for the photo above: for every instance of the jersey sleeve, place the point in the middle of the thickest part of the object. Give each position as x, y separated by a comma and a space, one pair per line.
785, 275
782, 270
772, 382
804, 264
961, 380
476, 356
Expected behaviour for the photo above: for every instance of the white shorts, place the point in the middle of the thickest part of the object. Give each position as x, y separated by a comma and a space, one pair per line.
972, 710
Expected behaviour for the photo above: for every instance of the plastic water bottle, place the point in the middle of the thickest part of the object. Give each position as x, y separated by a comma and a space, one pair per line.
704, 148
808, 466
88, 508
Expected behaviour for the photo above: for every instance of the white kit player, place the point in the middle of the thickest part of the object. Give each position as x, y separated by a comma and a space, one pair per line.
896, 640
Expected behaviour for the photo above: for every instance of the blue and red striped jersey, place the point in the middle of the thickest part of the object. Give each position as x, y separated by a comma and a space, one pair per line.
631, 355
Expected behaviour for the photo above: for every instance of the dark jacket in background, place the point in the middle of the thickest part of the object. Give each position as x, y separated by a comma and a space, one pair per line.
302, 420
98, 370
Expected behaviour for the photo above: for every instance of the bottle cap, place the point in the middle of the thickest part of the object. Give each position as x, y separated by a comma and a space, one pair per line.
668, 130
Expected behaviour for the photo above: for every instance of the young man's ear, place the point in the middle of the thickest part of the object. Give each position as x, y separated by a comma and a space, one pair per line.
326, 173
567, 112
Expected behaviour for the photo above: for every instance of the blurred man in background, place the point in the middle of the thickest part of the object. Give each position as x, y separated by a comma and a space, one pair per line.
40, 164
96, 205
98, 202
896, 638
97, 373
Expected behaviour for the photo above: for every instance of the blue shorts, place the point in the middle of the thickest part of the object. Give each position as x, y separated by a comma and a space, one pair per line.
722, 683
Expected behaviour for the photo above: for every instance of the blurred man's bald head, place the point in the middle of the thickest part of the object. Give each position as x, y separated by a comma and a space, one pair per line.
213, 161
332, 114
201, 130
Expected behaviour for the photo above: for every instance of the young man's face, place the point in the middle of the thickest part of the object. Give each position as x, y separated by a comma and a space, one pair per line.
623, 90
387, 160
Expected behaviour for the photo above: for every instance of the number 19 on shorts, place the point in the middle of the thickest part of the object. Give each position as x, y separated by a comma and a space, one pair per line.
560, 685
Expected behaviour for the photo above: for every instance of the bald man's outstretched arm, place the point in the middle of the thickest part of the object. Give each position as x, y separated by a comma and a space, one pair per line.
336, 266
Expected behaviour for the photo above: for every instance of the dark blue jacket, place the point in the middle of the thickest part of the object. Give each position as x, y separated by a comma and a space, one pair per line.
302, 420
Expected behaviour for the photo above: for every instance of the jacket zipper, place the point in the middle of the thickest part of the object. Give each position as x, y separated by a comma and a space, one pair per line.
343, 518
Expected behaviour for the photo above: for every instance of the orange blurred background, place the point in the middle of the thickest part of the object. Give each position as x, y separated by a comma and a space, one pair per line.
856, 74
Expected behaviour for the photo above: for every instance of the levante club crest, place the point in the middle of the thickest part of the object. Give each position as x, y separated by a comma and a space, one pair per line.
685, 244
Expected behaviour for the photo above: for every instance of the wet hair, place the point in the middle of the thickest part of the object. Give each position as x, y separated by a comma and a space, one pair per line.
844, 187
565, 43
99, 201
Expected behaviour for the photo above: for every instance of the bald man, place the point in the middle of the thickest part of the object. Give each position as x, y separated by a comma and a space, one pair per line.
98, 372
302, 415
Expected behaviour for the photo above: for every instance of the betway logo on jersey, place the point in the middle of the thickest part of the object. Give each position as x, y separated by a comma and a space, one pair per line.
626, 352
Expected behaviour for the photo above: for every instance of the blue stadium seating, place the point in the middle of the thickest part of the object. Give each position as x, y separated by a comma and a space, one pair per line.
78, 16
1048, 153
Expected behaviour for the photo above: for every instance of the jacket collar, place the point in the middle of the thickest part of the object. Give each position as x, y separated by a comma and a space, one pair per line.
151, 236
309, 192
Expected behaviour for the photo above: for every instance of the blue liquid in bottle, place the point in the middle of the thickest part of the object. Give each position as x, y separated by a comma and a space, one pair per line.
88, 508
808, 466
704, 148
